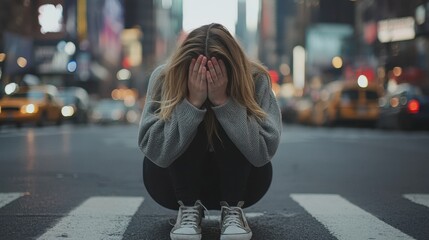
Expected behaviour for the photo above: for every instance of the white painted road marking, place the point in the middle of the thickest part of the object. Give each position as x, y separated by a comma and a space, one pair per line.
422, 199
248, 215
6, 198
345, 220
96, 218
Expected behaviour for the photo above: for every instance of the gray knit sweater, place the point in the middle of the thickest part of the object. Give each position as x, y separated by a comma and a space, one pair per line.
164, 141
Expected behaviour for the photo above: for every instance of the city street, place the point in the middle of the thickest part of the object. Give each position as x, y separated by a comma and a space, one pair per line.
85, 182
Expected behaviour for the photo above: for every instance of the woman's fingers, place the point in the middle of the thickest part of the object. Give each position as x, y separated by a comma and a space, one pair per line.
217, 67
197, 84
217, 82
196, 67
191, 67
202, 67
223, 68
212, 73
209, 77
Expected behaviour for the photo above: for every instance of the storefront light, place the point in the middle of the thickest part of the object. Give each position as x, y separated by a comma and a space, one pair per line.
337, 62
299, 67
22, 62
72, 66
10, 88
123, 74
284, 69
70, 48
397, 29
2, 57
50, 18
362, 81
397, 71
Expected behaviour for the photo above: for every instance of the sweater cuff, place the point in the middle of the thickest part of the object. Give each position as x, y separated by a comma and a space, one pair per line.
230, 109
185, 110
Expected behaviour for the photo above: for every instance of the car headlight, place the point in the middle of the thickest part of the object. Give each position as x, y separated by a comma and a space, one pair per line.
132, 116
96, 115
117, 114
29, 108
67, 111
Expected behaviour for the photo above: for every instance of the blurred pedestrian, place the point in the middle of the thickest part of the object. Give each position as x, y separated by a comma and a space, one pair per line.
210, 126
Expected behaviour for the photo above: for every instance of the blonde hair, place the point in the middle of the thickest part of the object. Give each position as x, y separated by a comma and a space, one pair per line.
212, 40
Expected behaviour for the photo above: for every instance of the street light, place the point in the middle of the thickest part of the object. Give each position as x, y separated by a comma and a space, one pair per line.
337, 62
299, 67
22, 62
362, 81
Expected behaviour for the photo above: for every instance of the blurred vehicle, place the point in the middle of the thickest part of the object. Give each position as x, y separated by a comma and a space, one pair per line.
114, 111
76, 104
405, 108
303, 109
342, 101
36, 104
287, 108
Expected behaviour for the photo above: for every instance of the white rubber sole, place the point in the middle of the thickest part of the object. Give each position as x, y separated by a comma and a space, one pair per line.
245, 236
185, 237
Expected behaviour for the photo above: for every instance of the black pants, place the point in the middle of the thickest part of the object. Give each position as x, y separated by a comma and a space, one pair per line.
223, 174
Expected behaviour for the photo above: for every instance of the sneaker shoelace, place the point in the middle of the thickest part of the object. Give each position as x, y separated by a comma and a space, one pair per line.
233, 218
189, 217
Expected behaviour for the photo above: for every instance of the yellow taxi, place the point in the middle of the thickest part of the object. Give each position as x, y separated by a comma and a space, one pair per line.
343, 101
38, 105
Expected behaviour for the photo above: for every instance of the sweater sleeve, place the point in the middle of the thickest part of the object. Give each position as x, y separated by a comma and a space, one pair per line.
257, 140
162, 141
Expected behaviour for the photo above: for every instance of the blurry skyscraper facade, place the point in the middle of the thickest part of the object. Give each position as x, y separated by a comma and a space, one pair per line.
345, 39
395, 33
62, 42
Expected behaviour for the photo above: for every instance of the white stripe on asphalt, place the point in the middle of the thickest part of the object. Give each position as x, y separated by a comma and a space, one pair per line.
422, 199
248, 215
6, 198
345, 220
96, 218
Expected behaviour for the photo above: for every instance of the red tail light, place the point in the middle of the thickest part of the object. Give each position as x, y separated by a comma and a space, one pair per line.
413, 106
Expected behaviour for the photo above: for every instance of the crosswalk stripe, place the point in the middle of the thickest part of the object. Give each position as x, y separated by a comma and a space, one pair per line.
6, 198
96, 218
422, 199
345, 220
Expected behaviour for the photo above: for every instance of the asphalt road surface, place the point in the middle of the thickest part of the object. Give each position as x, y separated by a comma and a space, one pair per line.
85, 182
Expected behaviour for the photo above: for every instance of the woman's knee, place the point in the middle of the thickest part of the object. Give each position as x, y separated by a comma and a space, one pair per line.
258, 184
155, 180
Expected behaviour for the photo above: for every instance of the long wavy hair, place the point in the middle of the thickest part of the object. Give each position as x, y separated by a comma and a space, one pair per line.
211, 40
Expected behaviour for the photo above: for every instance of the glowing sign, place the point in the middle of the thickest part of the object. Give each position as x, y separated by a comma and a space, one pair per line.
398, 29
50, 18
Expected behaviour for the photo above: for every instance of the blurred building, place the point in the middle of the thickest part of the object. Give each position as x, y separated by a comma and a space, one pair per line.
63, 42
267, 34
160, 25
395, 34
316, 30
16, 40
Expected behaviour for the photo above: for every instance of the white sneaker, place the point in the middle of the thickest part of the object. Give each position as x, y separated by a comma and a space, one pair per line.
234, 225
188, 223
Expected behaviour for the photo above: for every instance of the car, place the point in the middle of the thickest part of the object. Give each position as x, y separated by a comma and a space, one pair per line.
347, 102
303, 109
114, 111
36, 104
287, 108
407, 108
76, 104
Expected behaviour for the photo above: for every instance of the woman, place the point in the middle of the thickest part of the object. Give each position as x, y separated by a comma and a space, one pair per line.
210, 126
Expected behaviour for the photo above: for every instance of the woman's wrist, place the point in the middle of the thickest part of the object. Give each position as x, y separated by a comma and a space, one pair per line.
194, 103
220, 102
